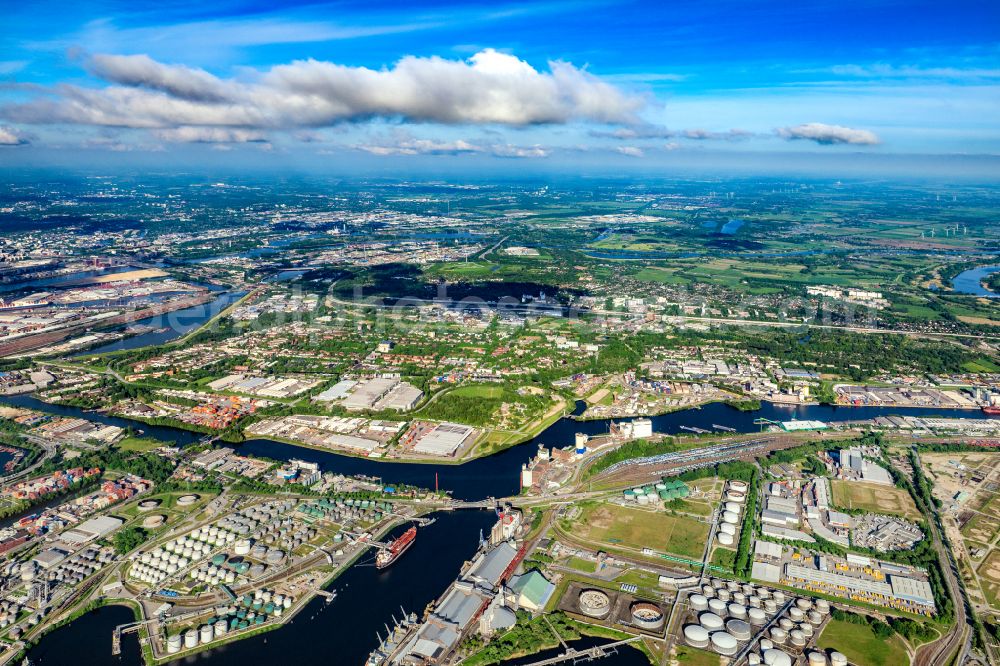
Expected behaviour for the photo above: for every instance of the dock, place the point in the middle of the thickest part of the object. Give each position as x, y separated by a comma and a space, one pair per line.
590, 654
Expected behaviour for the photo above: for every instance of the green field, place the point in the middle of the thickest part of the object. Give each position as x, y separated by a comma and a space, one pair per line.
874, 498
860, 645
637, 529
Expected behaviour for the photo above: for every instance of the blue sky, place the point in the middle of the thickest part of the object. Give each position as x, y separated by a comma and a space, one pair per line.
563, 82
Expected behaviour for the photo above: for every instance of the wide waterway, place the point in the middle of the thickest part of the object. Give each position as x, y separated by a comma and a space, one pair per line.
169, 326
343, 632
971, 281
498, 475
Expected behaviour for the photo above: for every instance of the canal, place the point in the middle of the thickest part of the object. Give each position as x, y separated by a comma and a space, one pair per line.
344, 631
498, 475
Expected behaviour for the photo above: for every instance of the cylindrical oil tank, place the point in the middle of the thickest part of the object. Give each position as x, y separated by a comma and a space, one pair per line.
754, 601
757, 616
765, 644
733, 496
786, 624
174, 644
814, 617
724, 643
797, 638
696, 636
698, 602
753, 659
823, 606
220, 628
796, 614
727, 528
740, 598
803, 604
779, 635
724, 594
717, 606
710, 621
593, 603
817, 658
763, 593
647, 616
726, 539
732, 586
779, 597
838, 659
729, 517
739, 486
739, 629
738, 611
190, 638
806, 629
776, 658
770, 607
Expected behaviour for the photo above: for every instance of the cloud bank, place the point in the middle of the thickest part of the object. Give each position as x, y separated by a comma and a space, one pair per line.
488, 88
828, 134
8, 137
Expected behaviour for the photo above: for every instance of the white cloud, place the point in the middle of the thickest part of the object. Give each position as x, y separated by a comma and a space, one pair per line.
507, 150
706, 135
488, 88
671, 146
10, 137
209, 135
141, 71
631, 151
421, 147
881, 70
406, 145
12, 66
828, 134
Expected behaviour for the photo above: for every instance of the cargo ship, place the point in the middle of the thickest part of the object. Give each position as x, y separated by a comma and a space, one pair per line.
389, 555
991, 410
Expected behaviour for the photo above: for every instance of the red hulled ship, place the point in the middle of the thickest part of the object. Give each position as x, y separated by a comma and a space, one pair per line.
387, 556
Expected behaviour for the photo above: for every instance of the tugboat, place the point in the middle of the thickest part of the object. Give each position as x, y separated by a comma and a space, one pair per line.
389, 555
991, 410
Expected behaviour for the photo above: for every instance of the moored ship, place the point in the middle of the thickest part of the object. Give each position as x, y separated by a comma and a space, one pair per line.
991, 410
389, 555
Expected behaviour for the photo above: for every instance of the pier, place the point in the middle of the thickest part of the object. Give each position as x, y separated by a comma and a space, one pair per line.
590, 654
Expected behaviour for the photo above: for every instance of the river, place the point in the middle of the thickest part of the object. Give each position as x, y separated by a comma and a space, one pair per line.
343, 632
498, 475
971, 281
169, 326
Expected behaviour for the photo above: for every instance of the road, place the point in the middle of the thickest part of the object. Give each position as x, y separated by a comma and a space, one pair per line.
672, 319
959, 636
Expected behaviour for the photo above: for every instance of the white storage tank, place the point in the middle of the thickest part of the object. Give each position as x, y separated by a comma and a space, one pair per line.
696, 636
814, 617
796, 614
823, 606
724, 595
779, 635
803, 604
207, 634
726, 539
776, 658
698, 603
727, 528
739, 629
710, 621
817, 658
729, 517
738, 611
190, 638
838, 659
717, 606
757, 616
797, 638
724, 643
